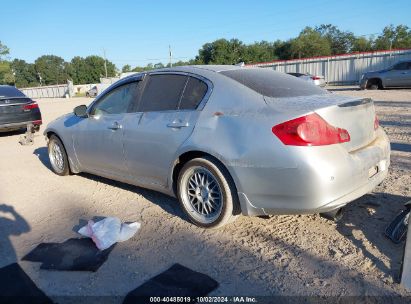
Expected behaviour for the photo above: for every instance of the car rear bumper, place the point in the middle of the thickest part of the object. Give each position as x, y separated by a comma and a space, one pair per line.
19, 125
321, 181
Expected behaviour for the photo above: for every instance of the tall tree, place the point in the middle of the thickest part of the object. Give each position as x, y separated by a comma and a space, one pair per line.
362, 44
90, 69
52, 69
6, 73
398, 37
259, 52
222, 51
310, 43
4, 51
340, 42
126, 68
25, 74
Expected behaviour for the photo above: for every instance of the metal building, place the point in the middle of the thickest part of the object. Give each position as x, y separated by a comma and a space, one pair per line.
340, 69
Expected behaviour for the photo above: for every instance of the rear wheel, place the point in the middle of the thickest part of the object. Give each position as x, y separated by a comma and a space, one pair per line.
207, 193
58, 156
374, 84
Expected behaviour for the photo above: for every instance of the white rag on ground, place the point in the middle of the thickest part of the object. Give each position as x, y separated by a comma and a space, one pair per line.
109, 231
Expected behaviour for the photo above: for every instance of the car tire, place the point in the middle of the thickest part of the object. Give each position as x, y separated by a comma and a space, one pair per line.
207, 193
58, 156
373, 87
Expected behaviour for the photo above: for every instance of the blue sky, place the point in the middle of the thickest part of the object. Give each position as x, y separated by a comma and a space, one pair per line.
139, 32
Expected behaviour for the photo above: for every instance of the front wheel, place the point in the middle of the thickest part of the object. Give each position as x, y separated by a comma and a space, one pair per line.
58, 156
207, 193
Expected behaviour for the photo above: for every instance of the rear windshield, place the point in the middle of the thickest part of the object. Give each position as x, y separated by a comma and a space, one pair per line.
273, 84
9, 91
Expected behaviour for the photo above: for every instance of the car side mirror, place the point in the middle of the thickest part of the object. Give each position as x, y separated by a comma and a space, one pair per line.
80, 111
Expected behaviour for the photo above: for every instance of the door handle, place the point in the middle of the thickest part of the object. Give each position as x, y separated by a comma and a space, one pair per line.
177, 124
115, 126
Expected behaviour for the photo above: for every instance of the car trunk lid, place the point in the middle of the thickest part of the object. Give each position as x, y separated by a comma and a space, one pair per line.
14, 110
356, 115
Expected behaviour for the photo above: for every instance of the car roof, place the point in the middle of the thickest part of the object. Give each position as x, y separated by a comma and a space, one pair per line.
194, 69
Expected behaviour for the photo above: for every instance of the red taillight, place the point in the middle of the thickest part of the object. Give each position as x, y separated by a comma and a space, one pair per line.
315, 78
376, 123
30, 106
37, 122
310, 130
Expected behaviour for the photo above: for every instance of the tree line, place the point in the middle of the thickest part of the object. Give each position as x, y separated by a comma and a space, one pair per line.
323, 40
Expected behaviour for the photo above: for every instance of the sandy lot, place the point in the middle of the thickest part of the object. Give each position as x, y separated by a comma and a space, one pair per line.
283, 255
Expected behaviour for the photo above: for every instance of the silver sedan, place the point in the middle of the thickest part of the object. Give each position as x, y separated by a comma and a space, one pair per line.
227, 140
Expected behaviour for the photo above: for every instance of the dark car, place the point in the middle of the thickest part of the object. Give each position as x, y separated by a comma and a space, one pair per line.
398, 75
17, 110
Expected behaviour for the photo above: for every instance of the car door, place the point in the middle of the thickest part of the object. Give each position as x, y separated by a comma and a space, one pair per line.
397, 76
407, 76
98, 141
168, 110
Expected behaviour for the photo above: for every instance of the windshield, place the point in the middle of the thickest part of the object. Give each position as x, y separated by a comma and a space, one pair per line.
9, 91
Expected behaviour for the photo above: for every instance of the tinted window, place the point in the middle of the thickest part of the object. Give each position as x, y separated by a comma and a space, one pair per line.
401, 66
9, 91
162, 92
119, 100
273, 84
193, 94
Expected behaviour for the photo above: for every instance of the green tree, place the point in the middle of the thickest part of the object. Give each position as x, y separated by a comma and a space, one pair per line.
282, 49
90, 69
222, 51
25, 73
52, 69
310, 43
398, 37
126, 68
340, 42
259, 52
4, 51
6, 73
362, 44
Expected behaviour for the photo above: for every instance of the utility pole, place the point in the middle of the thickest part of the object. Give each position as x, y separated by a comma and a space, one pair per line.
169, 52
105, 62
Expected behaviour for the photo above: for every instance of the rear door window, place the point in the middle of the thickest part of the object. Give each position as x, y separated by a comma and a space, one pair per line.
162, 92
194, 93
401, 66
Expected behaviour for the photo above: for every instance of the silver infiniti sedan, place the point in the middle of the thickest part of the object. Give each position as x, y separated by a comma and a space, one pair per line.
227, 140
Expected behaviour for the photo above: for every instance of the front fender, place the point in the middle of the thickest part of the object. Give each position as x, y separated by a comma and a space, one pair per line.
63, 128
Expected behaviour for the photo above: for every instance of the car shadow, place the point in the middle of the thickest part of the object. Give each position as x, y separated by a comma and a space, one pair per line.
11, 224
165, 202
370, 215
12, 133
343, 89
42, 154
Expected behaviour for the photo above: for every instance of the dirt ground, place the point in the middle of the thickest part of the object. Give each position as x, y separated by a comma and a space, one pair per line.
284, 255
